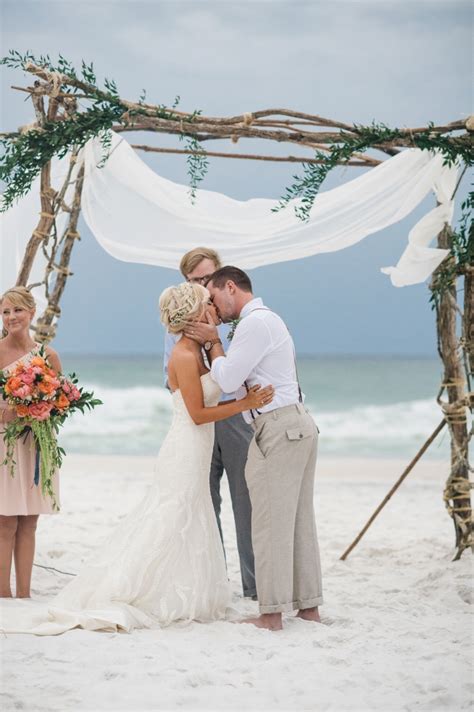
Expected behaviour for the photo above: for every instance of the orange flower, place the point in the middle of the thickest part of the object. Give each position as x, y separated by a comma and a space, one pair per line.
22, 411
38, 361
46, 387
12, 384
62, 402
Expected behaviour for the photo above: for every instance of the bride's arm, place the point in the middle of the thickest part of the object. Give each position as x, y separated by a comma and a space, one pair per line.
189, 383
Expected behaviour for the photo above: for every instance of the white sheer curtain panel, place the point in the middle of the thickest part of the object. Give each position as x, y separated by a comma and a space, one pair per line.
138, 216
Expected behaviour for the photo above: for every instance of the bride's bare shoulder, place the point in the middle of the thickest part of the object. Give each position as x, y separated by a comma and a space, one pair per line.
183, 358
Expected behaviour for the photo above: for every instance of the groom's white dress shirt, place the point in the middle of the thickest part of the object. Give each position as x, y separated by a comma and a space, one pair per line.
261, 351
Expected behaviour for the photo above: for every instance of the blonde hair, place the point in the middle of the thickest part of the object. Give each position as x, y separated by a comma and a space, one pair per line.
18, 297
180, 304
191, 259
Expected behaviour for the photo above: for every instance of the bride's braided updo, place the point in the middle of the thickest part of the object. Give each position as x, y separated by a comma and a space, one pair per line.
180, 304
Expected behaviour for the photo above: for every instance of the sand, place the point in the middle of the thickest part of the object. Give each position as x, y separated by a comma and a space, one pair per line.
396, 634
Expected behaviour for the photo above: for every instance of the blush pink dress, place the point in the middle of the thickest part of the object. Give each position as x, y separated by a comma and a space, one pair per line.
19, 495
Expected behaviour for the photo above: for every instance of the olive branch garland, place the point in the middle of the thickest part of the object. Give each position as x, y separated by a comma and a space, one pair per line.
306, 186
461, 254
24, 155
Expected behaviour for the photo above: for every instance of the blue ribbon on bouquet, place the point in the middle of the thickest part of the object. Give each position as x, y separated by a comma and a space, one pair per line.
37, 467
36, 478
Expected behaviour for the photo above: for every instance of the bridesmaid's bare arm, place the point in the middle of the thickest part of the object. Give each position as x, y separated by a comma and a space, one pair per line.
54, 359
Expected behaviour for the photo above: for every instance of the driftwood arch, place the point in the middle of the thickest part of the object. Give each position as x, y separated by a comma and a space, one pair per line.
62, 124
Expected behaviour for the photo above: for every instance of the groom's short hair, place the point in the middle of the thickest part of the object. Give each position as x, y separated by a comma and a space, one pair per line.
191, 259
236, 275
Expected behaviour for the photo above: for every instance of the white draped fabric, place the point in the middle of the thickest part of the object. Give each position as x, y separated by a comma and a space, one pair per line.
138, 216
419, 260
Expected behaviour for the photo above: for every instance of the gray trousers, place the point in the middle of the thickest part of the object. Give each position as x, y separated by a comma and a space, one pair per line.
280, 476
232, 438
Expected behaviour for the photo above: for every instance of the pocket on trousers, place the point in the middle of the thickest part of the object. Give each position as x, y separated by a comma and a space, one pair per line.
258, 439
304, 431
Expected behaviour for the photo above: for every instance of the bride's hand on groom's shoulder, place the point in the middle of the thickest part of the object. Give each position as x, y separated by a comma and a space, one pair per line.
257, 396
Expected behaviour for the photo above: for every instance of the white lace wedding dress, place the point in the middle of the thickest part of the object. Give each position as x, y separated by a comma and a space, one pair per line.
163, 563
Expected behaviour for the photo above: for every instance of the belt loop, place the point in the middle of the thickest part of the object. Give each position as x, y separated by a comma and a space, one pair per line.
274, 415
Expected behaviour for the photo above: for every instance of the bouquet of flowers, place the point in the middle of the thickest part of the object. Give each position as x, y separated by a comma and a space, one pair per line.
43, 400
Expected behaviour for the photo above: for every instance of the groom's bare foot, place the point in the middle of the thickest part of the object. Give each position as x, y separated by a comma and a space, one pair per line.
270, 621
309, 614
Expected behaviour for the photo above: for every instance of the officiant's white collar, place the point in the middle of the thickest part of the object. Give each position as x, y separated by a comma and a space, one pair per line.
256, 303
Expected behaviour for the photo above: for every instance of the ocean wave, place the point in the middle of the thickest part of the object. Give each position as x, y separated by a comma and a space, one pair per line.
135, 420
390, 428
123, 410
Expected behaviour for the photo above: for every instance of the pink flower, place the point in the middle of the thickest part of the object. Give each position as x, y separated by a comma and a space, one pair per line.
75, 394
40, 411
67, 387
23, 392
28, 377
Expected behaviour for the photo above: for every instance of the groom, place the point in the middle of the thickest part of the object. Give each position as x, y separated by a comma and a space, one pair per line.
282, 455
232, 436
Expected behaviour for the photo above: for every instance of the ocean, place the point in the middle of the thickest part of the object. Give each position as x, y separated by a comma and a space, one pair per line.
365, 407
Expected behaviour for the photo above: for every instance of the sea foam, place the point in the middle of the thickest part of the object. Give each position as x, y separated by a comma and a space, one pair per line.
135, 420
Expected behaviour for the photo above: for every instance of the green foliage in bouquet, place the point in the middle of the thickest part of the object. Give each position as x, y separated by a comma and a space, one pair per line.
43, 400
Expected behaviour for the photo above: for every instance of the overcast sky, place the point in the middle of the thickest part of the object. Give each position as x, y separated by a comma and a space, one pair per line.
403, 63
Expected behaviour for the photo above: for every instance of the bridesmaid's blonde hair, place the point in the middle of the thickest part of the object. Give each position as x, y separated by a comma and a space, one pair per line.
180, 304
19, 297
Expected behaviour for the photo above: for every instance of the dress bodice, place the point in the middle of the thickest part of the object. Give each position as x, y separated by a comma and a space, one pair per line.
22, 359
9, 367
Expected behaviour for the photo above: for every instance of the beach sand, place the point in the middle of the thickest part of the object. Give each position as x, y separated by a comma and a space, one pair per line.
396, 633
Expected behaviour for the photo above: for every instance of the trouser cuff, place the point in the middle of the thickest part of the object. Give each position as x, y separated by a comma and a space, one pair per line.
291, 605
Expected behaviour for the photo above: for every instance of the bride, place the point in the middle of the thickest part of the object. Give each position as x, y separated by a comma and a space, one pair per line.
165, 561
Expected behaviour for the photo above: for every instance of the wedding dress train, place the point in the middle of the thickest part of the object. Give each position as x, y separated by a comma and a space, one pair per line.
163, 563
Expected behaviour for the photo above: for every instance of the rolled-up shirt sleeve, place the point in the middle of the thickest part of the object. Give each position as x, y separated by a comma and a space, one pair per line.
252, 340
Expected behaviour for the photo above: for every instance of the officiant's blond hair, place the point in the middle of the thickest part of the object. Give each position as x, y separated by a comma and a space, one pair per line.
181, 304
191, 259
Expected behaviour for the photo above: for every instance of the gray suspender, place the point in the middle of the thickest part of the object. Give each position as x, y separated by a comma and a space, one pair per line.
300, 394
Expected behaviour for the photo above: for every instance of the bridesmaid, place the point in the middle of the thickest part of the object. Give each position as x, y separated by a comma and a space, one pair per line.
21, 501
